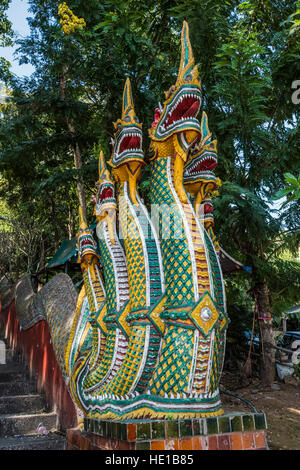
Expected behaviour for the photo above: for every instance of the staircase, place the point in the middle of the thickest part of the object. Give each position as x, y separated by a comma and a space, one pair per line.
22, 410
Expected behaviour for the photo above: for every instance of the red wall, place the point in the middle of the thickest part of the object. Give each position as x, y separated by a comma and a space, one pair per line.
36, 348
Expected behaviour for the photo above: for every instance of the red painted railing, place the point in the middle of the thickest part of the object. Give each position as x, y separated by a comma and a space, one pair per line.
35, 346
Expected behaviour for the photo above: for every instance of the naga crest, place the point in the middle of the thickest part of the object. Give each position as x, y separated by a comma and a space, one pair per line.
183, 101
106, 204
105, 198
87, 247
198, 174
128, 133
127, 156
206, 216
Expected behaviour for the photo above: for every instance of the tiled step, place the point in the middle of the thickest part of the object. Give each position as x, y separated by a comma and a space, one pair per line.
21, 404
16, 388
50, 442
20, 424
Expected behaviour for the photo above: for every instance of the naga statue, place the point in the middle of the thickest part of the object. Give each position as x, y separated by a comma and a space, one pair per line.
199, 179
147, 337
187, 374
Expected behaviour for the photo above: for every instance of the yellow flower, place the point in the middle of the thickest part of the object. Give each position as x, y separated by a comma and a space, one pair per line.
69, 21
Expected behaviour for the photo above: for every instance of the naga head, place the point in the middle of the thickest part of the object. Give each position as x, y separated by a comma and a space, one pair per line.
86, 245
127, 155
198, 175
206, 213
106, 204
175, 127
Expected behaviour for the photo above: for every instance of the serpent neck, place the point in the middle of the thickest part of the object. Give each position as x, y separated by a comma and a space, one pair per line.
186, 264
115, 270
143, 254
96, 297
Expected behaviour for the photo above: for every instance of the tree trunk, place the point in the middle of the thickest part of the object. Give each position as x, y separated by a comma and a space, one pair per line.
54, 222
75, 145
78, 166
41, 264
262, 307
71, 223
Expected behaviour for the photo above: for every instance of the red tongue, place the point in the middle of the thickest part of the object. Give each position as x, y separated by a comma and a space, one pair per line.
208, 209
205, 165
209, 165
106, 193
190, 104
192, 111
129, 142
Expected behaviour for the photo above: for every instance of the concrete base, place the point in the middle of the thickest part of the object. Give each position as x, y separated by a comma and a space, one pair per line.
234, 431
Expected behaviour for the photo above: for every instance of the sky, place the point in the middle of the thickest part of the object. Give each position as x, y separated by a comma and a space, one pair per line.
17, 14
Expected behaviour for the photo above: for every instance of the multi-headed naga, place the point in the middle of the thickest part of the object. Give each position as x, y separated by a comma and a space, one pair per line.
199, 179
191, 359
149, 332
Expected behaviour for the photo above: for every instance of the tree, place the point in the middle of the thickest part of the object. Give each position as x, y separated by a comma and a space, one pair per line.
291, 191
249, 58
6, 35
246, 55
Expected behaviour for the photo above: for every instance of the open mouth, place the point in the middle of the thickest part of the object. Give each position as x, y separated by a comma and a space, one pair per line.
187, 107
208, 209
205, 163
129, 141
86, 244
106, 193
182, 111
105, 198
201, 166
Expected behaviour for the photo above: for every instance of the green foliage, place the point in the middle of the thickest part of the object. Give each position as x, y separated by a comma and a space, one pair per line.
6, 35
284, 281
248, 54
292, 189
5, 25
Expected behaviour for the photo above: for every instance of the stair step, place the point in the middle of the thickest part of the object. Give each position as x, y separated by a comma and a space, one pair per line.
14, 367
12, 356
33, 442
22, 409
16, 388
12, 375
17, 424
21, 404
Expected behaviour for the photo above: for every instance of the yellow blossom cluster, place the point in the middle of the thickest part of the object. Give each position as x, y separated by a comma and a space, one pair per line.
69, 21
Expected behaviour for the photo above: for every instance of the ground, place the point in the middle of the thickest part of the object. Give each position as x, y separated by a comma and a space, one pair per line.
281, 404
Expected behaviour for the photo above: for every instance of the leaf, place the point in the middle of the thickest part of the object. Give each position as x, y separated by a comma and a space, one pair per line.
280, 194
290, 178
